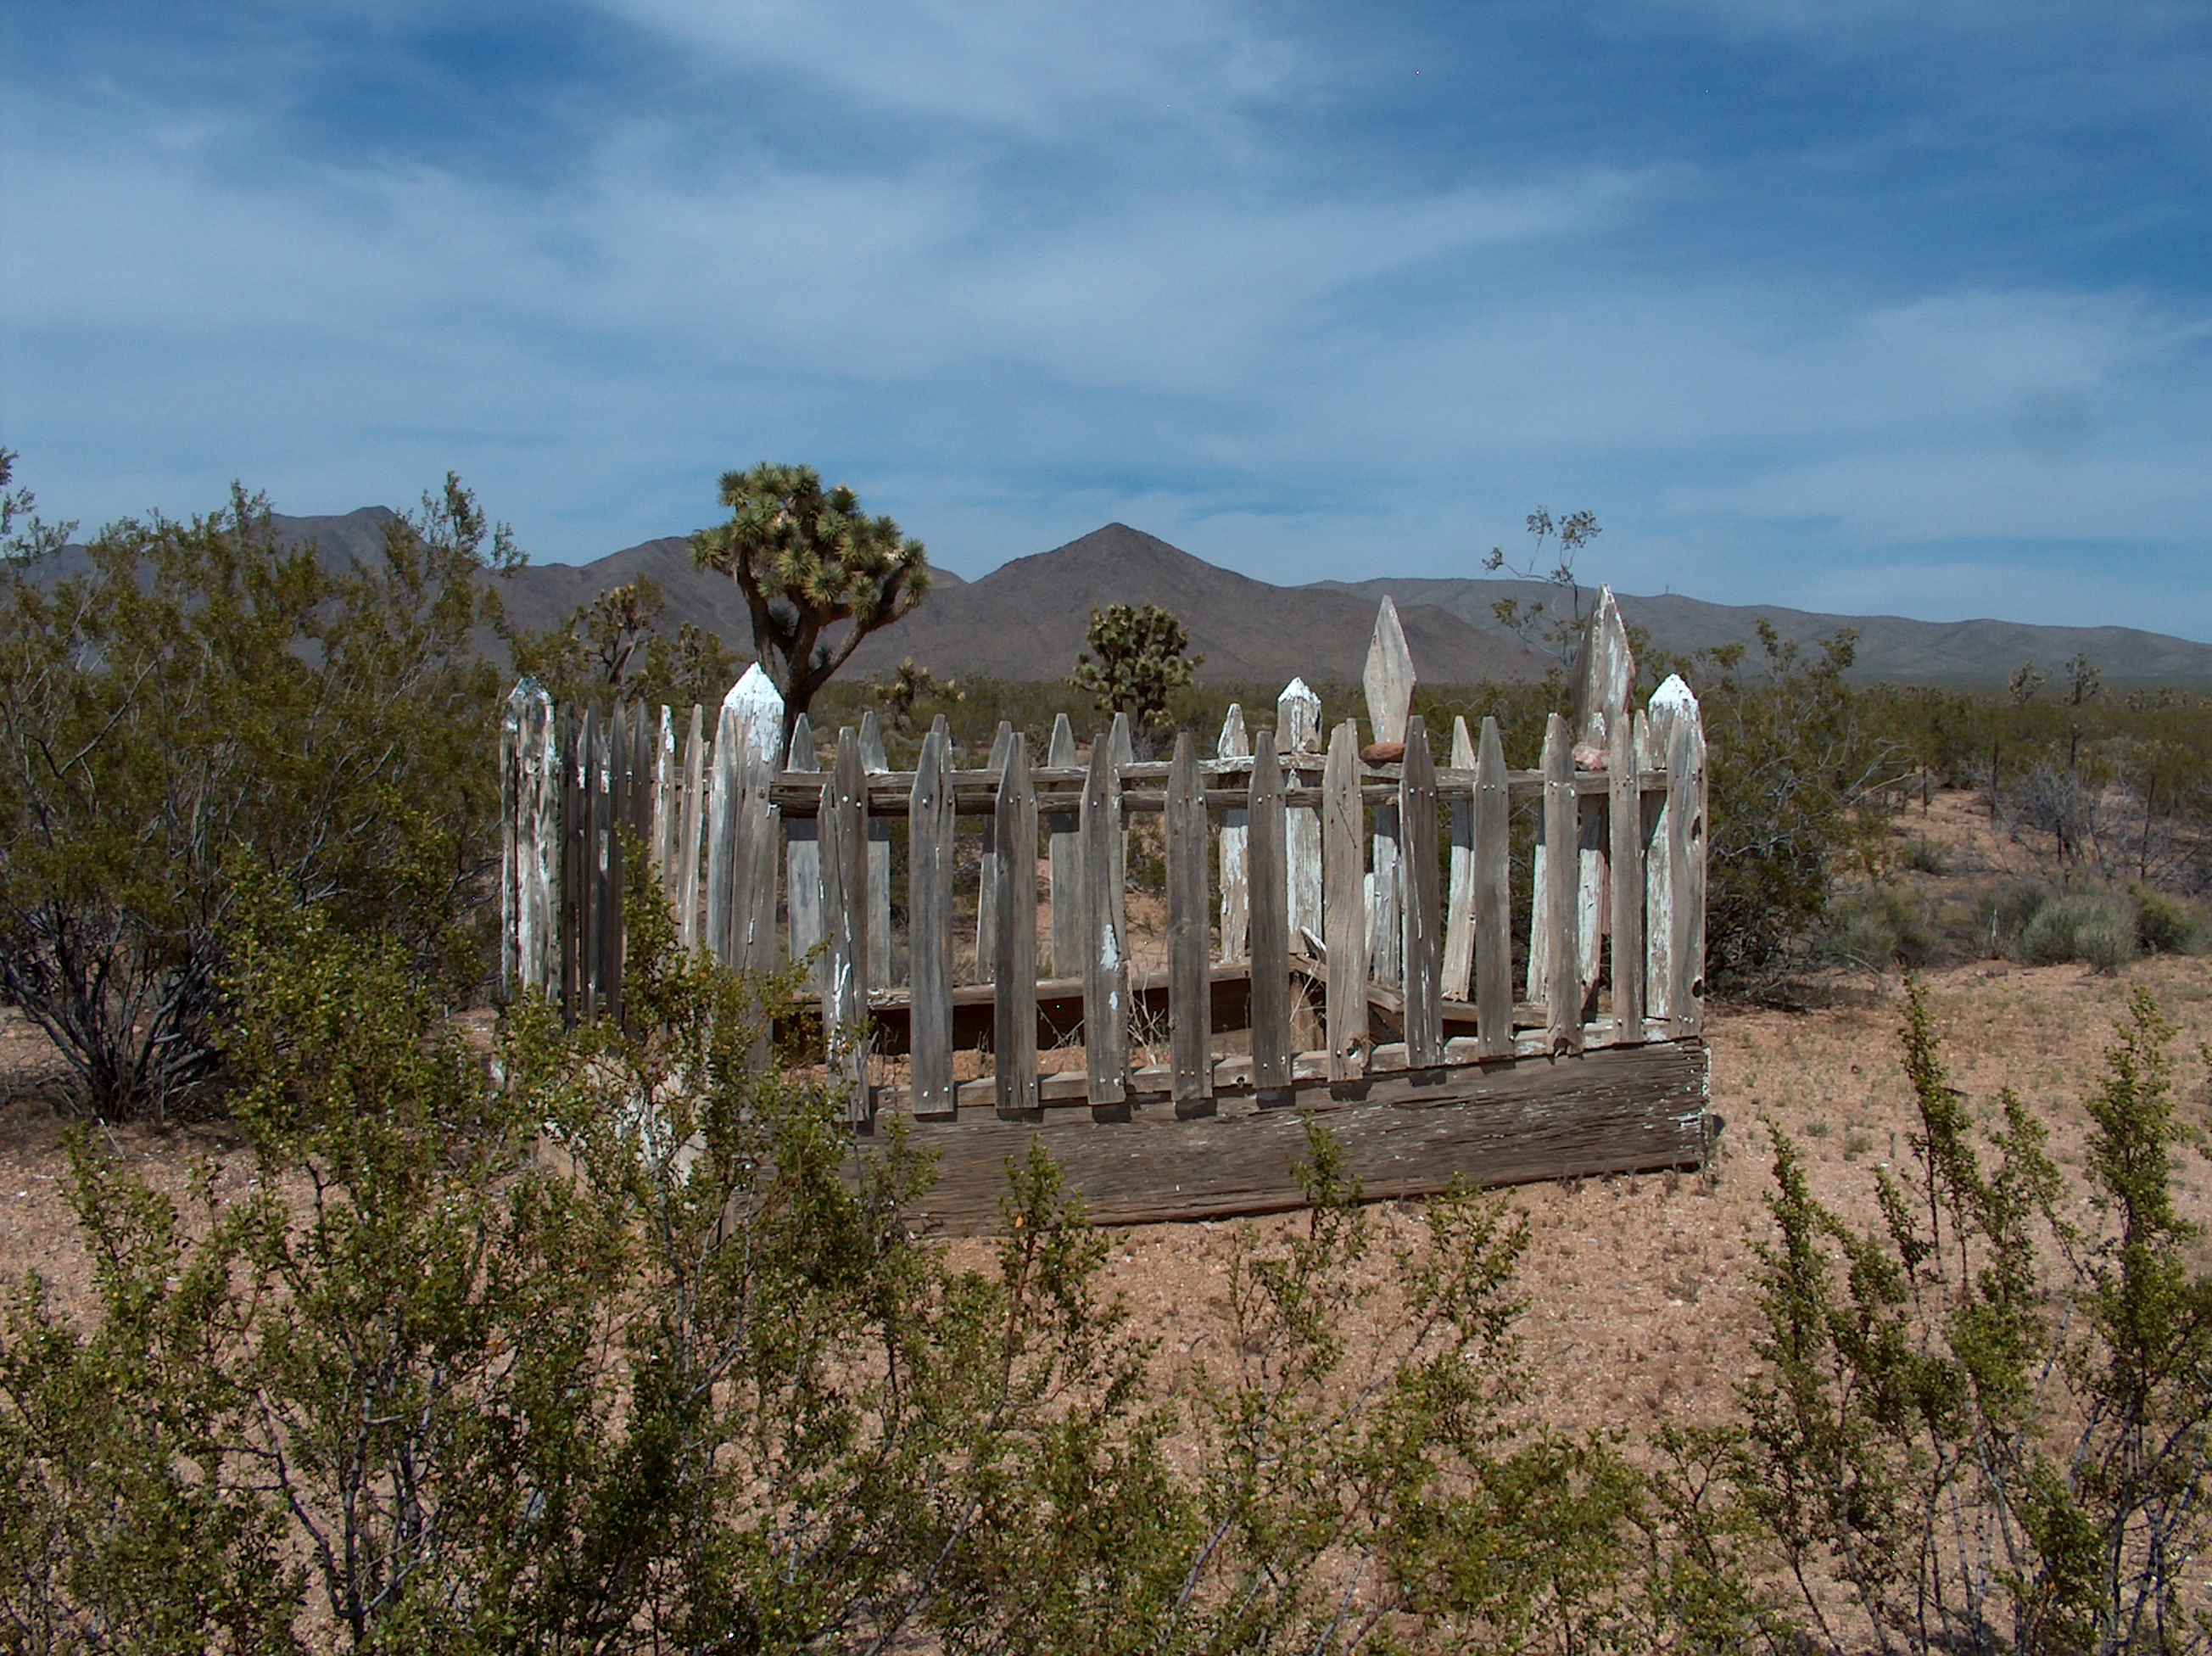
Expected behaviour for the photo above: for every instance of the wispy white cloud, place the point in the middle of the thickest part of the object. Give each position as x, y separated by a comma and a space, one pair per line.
1014, 270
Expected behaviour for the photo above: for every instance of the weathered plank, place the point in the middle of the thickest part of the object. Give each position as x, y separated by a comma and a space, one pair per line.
929, 906
1064, 859
1493, 899
802, 858
844, 1007
592, 742
1615, 1109
1190, 996
1563, 996
752, 934
1669, 704
722, 829
574, 888
1122, 747
1459, 899
875, 763
1298, 740
1271, 937
1235, 835
1605, 675
666, 783
1105, 969
1685, 853
986, 893
1624, 876
1344, 907
687, 858
1389, 682
1013, 1034
1423, 943
1389, 677
531, 875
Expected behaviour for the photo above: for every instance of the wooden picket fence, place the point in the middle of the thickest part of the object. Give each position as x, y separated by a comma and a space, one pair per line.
1345, 923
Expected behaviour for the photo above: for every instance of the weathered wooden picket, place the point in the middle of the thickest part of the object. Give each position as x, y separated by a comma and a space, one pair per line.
1353, 959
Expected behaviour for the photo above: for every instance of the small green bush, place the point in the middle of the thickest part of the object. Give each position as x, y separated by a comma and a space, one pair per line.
2162, 925
2096, 928
1885, 925
1926, 856
2009, 911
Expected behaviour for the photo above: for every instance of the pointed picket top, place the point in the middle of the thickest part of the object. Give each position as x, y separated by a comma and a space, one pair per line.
1605, 673
873, 760
1672, 700
1122, 744
1298, 719
1463, 748
1061, 754
802, 756
758, 706
1233, 743
1389, 678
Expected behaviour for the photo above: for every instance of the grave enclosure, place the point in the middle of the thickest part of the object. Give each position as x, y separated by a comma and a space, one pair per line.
1338, 937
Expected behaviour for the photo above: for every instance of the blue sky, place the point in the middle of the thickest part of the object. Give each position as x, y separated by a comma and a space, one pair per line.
1851, 305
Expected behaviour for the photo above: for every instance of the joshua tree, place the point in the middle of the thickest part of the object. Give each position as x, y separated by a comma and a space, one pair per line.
807, 559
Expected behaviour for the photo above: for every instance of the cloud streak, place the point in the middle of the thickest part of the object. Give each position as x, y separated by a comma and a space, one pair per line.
1258, 288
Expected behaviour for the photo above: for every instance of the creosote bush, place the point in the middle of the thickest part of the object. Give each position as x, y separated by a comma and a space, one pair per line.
1989, 1416
612, 1343
200, 709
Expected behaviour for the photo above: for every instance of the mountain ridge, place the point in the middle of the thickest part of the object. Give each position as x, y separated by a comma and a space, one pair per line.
1026, 619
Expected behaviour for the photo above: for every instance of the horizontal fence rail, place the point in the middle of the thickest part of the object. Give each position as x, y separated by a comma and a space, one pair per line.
1326, 915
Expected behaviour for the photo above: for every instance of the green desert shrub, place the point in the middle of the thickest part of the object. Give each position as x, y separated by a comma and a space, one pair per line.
1884, 925
2163, 926
1988, 1416
199, 709
2097, 929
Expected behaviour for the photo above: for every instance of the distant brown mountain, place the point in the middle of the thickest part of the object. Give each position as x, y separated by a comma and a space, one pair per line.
1026, 619
1890, 648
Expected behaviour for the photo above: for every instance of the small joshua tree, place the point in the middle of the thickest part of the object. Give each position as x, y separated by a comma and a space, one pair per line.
1140, 659
808, 558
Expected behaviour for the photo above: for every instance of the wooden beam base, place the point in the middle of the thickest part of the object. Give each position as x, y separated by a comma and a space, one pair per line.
1613, 1110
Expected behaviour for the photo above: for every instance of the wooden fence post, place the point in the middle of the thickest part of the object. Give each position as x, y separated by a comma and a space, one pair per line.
875, 763
1624, 858
531, 874
1423, 953
1235, 839
1563, 988
844, 847
1122, 747
929, 902
1459, 901
575, 767
1105, 968
1014, 937
1389, 681
1605, 674
987, 892
1670, 704
1064, 854
1190, 994
687, 857
1686, 856
660, 819
592, 752
1343, 905
803, 858
1493, 899
1298, 741
1271, 938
